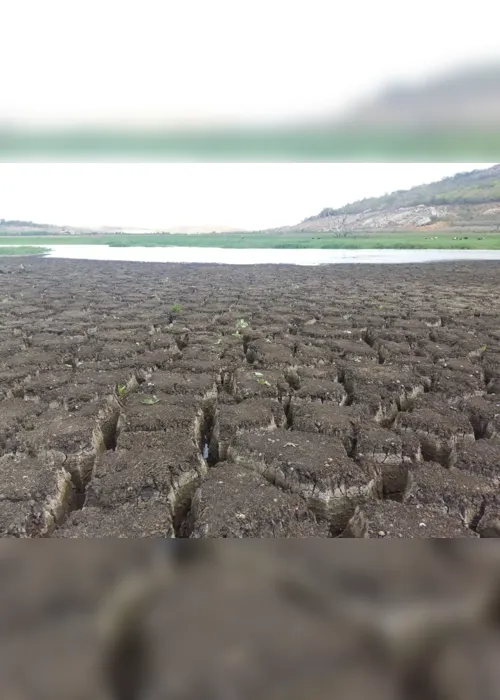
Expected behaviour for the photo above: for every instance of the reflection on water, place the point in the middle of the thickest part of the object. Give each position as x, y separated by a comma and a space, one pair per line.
264, 256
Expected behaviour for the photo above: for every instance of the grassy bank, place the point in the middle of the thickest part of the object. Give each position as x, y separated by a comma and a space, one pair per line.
22, 250
418, 240
324, 242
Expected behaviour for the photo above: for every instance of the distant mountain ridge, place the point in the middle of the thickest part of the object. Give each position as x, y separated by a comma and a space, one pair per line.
14, 227
26, 228
469, 199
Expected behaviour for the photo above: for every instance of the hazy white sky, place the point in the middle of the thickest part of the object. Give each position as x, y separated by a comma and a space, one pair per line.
246, 195
198, 60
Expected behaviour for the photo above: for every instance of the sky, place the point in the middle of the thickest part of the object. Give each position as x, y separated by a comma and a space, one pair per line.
201, 61
249, 196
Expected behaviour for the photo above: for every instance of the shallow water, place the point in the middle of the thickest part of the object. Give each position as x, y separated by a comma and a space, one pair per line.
263, 255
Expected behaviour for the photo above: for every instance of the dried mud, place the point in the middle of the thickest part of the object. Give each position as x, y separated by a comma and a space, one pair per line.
266, 401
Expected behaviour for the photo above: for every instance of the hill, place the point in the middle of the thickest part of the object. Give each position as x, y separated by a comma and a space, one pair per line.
12, 227
469, 200
30, 228
466, 97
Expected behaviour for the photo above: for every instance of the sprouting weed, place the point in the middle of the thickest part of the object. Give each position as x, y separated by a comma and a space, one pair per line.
121, 389
241, 323
176, 308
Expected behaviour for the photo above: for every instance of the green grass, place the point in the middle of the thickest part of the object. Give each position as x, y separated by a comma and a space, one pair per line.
23, 250
410, 240
298, 144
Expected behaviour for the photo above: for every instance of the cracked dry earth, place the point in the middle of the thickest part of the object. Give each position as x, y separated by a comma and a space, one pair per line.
278, 401
261, 619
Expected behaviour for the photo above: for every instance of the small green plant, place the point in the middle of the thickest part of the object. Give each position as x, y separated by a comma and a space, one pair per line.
240, 325
150, 400
176, 308
264, 381
121, 390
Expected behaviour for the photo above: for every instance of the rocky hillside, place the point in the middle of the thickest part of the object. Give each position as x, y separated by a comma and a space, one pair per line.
466, 200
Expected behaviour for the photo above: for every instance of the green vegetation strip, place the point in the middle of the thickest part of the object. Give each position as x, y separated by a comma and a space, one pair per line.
255, 145
461, 241
22, 250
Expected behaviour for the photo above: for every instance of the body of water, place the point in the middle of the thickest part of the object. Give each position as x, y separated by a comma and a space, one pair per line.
259, 256
262, 256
